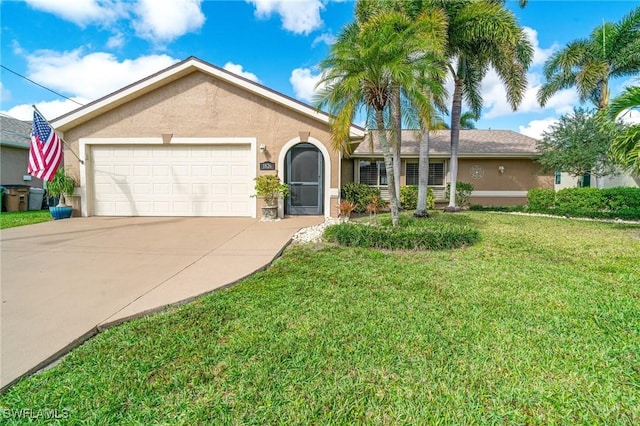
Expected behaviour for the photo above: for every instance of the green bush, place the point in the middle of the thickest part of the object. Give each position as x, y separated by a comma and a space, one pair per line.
409, 197
580, 199
480, 208
463, 193
622, 198
408, 236
609, 203
541, 199
360, 194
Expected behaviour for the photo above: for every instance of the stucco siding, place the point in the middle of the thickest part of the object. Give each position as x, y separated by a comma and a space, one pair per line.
14, 167
201, 106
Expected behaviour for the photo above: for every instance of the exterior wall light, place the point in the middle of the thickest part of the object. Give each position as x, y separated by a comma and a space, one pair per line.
263, 147
501, 169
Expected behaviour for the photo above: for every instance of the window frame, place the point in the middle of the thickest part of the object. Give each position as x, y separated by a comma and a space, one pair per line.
431, 163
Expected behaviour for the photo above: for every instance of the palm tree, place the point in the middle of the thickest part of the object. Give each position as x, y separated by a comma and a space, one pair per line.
611, 51
625, 148
364, 11
467, 122
482, 34
366, 63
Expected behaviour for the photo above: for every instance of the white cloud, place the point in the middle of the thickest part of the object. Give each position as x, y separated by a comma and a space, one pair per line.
238, 70
165, 21
90, 76
299, 16
50, 110
536, 128
5, 95
495, 101
326, 38
82, 12
539, 55
153, 20
304, 83
115, 41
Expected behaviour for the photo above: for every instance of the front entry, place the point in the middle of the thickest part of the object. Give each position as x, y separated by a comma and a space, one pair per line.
304, 173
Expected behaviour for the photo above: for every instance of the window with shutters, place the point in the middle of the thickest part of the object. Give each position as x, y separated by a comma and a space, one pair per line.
373, 173
436, 174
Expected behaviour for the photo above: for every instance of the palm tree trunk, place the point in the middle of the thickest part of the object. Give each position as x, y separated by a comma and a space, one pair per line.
604, 95
388, 163
423, 174
396, 120
456, 112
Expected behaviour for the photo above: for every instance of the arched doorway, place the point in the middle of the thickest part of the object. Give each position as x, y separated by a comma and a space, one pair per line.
304, 173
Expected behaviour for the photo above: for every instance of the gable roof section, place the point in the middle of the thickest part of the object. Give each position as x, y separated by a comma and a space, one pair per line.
15, 133
473, 143
174, 72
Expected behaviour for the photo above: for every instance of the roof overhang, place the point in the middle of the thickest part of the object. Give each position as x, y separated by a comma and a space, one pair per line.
175, 72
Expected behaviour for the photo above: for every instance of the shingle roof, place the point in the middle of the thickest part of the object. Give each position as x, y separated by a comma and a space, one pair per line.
473, 143
14, 132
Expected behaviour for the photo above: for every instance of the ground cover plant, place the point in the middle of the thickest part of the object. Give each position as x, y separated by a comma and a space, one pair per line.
538, 323
436, 233
13, 219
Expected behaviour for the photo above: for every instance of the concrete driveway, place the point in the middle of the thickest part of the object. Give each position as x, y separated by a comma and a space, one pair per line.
62, 281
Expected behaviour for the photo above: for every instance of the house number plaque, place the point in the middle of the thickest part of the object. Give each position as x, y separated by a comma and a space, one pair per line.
267, 165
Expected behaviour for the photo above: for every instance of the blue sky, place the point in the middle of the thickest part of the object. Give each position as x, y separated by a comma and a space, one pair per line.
85, 49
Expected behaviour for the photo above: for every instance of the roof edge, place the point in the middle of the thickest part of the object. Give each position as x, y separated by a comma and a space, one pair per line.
177, 70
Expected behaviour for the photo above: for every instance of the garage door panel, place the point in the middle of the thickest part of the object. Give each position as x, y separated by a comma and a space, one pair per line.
208, 180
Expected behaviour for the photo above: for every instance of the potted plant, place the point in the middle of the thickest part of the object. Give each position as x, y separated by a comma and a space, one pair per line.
269, 188
62, 186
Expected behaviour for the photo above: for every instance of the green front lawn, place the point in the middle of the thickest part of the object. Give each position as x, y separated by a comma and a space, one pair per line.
29, 217
538, 323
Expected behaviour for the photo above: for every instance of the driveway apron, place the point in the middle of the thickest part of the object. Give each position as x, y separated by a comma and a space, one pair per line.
62, 281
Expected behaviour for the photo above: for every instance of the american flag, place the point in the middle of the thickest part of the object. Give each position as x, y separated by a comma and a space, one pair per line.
45, 151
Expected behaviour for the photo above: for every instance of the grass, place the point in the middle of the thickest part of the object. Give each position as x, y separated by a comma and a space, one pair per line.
29, 217
539, 323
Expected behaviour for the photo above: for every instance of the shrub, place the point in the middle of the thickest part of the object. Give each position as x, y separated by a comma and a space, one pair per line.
360, 194
621, 198
463, 193
610, 203
409, 197
540, 199
480, 208
580, 199
434, 236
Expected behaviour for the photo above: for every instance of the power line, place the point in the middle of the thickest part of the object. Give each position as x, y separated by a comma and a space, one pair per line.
40, 85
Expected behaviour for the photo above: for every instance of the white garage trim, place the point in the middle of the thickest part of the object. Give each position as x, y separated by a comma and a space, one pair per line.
328, 191
85, 192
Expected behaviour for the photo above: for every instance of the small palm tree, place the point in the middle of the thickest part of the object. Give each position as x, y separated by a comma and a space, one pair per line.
366, 63
611, 51
625, 148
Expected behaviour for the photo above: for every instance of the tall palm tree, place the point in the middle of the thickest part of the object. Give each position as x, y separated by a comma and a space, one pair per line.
432, 80
625, 148
482, 35
612, 50
364, 65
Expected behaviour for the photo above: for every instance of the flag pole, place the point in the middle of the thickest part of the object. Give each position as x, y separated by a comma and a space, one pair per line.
62, 139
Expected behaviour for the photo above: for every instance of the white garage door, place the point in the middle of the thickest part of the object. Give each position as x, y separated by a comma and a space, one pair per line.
184, 180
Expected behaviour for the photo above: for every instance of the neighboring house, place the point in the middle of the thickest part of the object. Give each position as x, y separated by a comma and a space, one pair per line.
189, 141
565, 180
500, 164
14, 152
